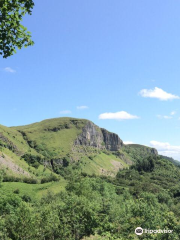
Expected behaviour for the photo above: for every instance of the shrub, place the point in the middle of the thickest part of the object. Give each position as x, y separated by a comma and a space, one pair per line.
49, 179
32, 160
26, 198
16, 191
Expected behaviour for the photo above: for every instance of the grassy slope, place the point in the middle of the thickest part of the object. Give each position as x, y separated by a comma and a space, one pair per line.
35, 191
53, 137
16, 138
102, 164
33, 172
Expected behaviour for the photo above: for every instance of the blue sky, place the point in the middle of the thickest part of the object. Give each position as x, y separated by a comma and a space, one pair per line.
121, 59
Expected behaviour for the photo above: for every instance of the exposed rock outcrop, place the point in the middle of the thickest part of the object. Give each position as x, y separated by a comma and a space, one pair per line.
154, 151
94, 136
91, 136
111, 140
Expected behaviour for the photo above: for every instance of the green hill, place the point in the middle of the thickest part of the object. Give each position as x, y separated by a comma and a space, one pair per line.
64, 142
55, 146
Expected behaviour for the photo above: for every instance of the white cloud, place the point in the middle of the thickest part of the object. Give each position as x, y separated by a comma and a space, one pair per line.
165, 117
117, 116
158, 93
65, 112
164, 148
173, 113
10, 70
82, 107
127, 142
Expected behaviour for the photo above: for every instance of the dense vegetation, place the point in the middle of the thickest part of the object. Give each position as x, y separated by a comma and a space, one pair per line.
147, 195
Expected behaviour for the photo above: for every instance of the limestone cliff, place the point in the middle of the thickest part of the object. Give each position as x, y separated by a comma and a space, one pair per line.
97, 137
111, 140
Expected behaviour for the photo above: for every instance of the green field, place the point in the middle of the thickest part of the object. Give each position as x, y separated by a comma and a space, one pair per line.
34, 191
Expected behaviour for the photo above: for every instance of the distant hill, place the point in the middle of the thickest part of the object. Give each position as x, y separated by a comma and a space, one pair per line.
138, 152
175, 162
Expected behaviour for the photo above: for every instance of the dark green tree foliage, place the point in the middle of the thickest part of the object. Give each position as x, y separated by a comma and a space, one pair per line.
32, 160
146, 165
12, 33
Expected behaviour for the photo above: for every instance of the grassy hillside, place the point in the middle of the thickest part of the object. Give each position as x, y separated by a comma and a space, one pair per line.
38, 149
102, 164
12, 139
33, 191
53, 137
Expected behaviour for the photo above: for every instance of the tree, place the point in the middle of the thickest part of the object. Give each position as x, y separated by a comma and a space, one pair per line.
13, 34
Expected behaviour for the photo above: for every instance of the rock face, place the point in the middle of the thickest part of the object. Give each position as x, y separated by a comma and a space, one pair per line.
111, 140
91, 136
154, 151
94, 136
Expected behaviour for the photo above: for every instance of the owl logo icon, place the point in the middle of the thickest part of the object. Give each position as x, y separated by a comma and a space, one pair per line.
138, 231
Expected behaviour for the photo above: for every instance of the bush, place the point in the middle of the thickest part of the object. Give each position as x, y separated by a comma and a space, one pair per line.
16, 179
16, 191
32, 160
49, 179
30, 180
26, 198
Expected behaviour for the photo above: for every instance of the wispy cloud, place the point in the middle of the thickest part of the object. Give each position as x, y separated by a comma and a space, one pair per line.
65, 112
165, 117
10, 70
172, 113
117, 116
166, 149
158, 93
127, 142
82, 107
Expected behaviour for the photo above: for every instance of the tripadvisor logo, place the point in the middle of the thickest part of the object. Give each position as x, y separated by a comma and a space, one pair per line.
140, 231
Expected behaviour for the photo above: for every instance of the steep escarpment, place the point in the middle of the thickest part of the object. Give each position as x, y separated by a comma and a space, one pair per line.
91, 136
100, 138
111, 140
